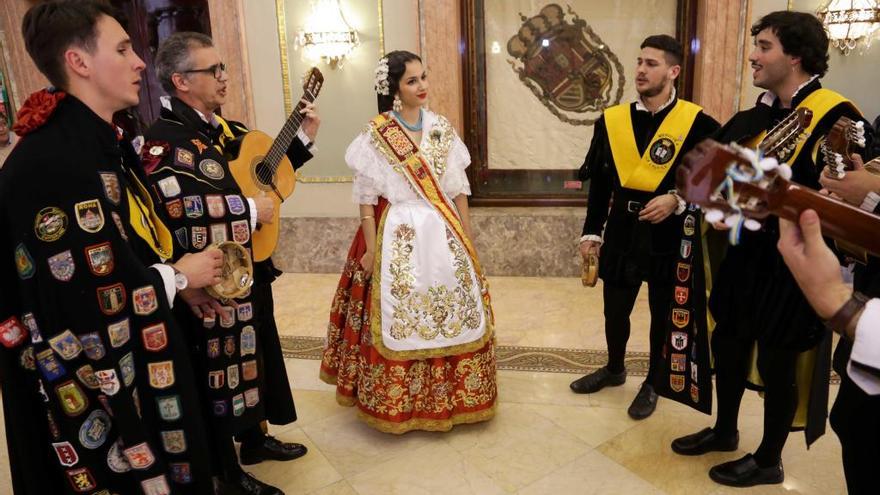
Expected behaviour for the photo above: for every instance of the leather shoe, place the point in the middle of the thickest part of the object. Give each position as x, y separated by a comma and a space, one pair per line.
270, 449
704, 441
746, 472
644, 403
597, 380
249, 485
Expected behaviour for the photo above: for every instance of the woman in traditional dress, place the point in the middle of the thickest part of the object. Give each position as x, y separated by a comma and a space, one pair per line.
411, 339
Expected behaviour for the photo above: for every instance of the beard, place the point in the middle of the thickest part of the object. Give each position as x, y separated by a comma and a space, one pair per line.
655, 90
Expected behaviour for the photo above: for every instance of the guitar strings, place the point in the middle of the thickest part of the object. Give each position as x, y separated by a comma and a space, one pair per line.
270, 161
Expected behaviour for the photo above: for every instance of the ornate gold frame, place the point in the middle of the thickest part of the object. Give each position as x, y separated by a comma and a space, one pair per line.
281, 15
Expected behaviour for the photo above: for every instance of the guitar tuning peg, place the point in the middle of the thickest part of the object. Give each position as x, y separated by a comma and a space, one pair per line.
713, 215
784, 171
752, 224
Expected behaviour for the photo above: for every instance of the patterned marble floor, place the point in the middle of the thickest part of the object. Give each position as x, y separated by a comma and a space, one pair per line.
545, 440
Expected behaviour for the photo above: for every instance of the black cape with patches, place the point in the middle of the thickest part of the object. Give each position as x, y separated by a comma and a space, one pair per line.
634, 251
181, 127
58, 266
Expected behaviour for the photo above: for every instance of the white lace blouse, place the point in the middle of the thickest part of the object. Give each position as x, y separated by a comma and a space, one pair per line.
374, 176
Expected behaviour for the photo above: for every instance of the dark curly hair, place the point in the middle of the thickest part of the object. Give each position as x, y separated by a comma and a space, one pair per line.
668, 45
802, 35
397, 61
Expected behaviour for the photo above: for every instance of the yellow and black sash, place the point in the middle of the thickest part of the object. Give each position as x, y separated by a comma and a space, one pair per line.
394, 143
646, 172
145, 222
820, 102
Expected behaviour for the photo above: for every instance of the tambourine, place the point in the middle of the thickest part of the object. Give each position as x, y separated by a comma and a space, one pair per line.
237, 275
590, 274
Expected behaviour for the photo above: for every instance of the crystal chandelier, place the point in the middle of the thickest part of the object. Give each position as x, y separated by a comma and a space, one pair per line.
850, 23
326, 35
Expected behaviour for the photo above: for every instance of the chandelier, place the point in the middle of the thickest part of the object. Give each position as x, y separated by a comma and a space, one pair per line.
850, 23
326, 35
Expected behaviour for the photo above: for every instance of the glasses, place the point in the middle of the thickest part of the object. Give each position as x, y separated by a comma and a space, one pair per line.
216, 70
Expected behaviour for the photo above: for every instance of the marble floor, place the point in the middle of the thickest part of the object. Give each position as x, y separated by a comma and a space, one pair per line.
544, 440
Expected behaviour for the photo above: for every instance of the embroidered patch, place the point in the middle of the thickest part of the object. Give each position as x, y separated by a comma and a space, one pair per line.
174, 208
26, 359
681, 317
100, 259
118, 221
62, 266
12, 333
235, 204
109, 381
200, 146
155, 338
126, 368
241, 231
694, 373
72, 399
221, 408
31, 324
199, 237
678, 362
111, 299
184, 158
216, 379
92, 345
170, 187
193, 206
227, 317
216, 209
89, 215
111, 187
24, 263
690, 224
66, 345
67, 455
81, 480
695, 393
140, 456
50, 224
169, 407
49, 365
213, 347
218, 233
181, 472
248, 340
676, 382
249, 370
229, 345
174, 442
681, 295
182, 237
245, 311
238, 405
119, 333
156, 486
683, 272
685, 249
662, 151
679, 340
232, 376
94, 430
116, 461
87, 377
145, 300
251, 397
209, 321
161, 374
211, 169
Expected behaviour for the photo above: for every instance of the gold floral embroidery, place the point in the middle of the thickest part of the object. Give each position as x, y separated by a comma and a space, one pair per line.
436, 147
439, 310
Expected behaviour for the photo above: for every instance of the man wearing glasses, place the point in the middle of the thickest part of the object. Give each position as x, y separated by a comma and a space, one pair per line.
236, 349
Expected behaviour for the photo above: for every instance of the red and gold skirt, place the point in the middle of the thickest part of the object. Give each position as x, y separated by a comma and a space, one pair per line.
399, 396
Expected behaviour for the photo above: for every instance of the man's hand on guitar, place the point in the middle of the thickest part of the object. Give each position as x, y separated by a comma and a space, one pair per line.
265, 209
201, 269
312, 121
854, 186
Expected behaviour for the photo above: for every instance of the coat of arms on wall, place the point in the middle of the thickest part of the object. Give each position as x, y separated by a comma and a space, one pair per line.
566, 65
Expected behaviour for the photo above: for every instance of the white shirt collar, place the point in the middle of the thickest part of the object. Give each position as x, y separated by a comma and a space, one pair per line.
166, 103
769, 97
640, 104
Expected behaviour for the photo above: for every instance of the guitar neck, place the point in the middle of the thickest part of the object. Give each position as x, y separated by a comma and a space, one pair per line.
840, 220
288, 133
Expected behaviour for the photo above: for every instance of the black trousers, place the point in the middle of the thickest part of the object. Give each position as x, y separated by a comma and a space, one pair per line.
777, 368
855, 418
619, 302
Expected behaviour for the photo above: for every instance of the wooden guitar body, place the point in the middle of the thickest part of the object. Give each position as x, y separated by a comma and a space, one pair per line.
255, 179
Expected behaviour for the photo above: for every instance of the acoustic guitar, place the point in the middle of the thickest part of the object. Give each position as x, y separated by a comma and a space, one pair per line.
729, 178
262, 166
840, 144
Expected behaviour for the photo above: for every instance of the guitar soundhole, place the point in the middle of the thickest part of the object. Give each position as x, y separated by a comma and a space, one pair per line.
263, 174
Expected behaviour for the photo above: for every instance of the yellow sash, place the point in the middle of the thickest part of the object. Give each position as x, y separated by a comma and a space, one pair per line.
644, 173
820, 102
396, 145
144, 221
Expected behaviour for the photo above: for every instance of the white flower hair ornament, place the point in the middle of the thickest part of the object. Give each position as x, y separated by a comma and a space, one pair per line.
382, 86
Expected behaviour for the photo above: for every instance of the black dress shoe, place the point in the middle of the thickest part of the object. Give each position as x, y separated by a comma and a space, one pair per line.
705, 441
270, 449
249, 485
746, 472
597, 380
644, 403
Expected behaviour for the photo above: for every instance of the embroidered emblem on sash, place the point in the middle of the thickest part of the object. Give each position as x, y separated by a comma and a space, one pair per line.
681, 317
238, 405
89, 215
111, 187
235, 204
216, 209
695, 393
109, 381
685, 249
66, 345
229, 345
50, 224
119, 333
24, 263
184, 158
67, 455
126, 368
232, 376
182, 237
170, 187
681, 295
227, 317
683, 272
662, 151
118, 221
49, 365
161, 374
181, 472
199, 237
678, 362
155, 338
81, 480
213, 347
140, 456
73, 400
145, 300
31, 324
92, 345
193, 206
169, 407
100, 259
249, 370
175, 208
200, 146
94, 430
12, 333
211, 169
156, 486
116, 461
241, 231
62, 266
679, 340
218, 233
676, 382
174, 442
248, 340
690, 223
251, 397
111, 299
87, 377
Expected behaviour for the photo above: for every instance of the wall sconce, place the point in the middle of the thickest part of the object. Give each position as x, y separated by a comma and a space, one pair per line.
850, 23
326, 35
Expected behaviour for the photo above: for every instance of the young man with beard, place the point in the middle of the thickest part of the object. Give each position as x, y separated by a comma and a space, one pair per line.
238, 351
635, 151
98, 392
755, 300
